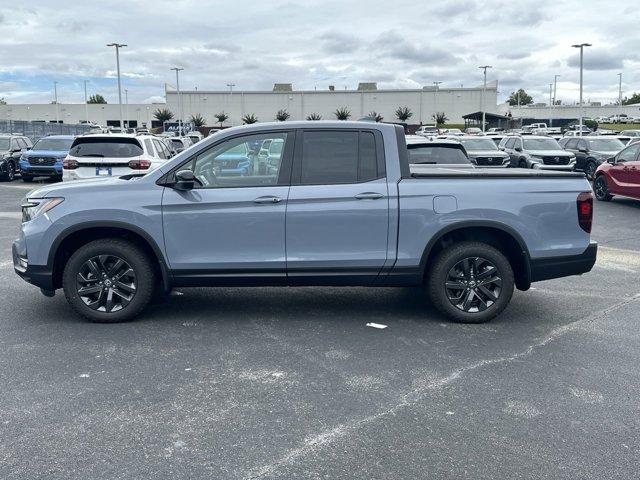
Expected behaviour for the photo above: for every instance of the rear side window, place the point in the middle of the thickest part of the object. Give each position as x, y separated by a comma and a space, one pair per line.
147, 143
436, 155
333, 157
106, 147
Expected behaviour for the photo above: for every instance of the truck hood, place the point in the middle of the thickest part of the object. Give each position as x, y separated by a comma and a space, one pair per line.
549, 153
65, 188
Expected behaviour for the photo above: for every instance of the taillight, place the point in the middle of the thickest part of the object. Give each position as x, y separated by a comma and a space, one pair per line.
140, 164
69, 164
585, 211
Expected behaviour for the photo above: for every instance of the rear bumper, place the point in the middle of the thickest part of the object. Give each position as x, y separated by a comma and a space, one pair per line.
556, 267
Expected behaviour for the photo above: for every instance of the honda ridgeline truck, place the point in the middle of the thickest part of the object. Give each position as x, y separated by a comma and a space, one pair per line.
340, 205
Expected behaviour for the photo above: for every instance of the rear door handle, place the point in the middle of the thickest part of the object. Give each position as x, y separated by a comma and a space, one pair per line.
368, 196
268, 199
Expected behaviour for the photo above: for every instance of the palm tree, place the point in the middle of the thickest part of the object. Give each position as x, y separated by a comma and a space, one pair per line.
221, 117
440, 118
404, 113
197, 120
163, 115
376, 116
282, 115
342, 113
250, 118
314, 116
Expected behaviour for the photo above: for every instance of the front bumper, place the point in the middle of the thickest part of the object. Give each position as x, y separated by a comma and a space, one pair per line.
38, 275
556, 267
37, 171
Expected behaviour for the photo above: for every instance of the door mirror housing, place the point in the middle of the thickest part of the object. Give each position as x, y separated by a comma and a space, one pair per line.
611, 160
185, 180
518, 149
583, 150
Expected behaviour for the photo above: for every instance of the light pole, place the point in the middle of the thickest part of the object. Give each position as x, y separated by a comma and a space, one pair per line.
484, 89
435, 101
550, 104
55, 99
126, 102
86, 105
620, 90
178, 70
231, 85
555, 91
581, 47
118, 47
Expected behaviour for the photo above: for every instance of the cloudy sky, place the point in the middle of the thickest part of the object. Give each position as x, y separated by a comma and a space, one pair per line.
315, 43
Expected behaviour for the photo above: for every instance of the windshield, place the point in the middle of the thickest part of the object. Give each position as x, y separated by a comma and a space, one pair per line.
56, 144
478, 144
4, 144
436, 154
106, 147
541, 144
605, 144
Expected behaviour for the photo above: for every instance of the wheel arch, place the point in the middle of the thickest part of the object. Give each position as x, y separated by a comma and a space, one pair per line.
74, 237
496, 234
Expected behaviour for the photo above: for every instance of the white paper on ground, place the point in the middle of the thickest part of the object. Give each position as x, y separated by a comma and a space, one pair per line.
376, 325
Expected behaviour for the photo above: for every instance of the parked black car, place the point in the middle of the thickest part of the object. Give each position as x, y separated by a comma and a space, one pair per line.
11, 148
591, 151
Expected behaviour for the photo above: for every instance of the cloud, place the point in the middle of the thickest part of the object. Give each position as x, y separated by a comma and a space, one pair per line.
597, 59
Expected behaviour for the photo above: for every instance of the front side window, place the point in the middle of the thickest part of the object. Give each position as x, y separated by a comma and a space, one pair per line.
237, 163
629, 154
336, 157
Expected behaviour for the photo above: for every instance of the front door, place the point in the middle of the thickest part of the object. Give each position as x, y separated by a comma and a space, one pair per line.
338, 208
621, 172
231, 226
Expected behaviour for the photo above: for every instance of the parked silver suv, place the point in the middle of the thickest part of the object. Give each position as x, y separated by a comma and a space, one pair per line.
540, 152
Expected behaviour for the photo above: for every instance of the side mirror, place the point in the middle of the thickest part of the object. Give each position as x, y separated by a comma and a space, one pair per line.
185, 180
583, 150
611, 160
518, 149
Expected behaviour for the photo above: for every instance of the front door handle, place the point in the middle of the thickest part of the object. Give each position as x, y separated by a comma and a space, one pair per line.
268, 199
368, 196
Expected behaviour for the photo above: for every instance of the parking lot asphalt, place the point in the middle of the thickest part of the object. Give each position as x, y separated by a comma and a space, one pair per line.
291, 383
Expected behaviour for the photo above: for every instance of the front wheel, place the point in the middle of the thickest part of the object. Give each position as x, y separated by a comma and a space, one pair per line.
590, 170
601, 189
108, 281
470, 282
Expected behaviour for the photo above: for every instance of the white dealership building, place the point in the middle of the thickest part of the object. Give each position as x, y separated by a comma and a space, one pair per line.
423, 103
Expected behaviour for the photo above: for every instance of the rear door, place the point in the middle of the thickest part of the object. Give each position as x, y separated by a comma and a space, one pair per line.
622, 172
632, 175
338, 208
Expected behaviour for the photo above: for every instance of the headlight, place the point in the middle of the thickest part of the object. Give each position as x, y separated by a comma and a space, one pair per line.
34, 207
536, 166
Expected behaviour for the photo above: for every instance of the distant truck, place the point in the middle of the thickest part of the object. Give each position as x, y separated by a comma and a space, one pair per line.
340, 205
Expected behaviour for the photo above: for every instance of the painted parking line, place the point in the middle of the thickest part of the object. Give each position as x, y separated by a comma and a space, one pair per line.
10, 215
618, 259
25, 186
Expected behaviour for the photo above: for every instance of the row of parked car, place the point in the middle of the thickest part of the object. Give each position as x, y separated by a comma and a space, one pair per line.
52, 155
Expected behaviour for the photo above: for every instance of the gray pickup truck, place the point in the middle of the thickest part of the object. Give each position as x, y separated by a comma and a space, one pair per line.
339, 204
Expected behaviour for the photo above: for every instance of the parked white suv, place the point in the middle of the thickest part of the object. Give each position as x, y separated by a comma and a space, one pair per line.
109, 155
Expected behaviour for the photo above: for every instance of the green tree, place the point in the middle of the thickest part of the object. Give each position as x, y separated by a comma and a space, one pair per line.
376, 116
221, 117
97, 98
342, 113
282, 115
440, 118
314, 116
635, 98
2, 101
520, 97
197, 120
163, 115
404, 113
250, 118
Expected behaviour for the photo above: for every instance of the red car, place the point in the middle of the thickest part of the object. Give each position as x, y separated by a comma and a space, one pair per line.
619, 175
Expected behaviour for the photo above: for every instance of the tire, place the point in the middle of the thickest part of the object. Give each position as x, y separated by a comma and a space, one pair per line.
27, 178
11, 173
601, 189
481, 256
88, 268
590, 170
522, 164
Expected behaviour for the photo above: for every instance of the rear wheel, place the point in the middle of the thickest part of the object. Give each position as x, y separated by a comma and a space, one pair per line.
470, 282
10, 174
108, 281
601, 189
522, 164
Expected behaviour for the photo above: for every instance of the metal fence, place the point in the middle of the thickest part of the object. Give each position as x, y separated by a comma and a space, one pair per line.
36, 130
